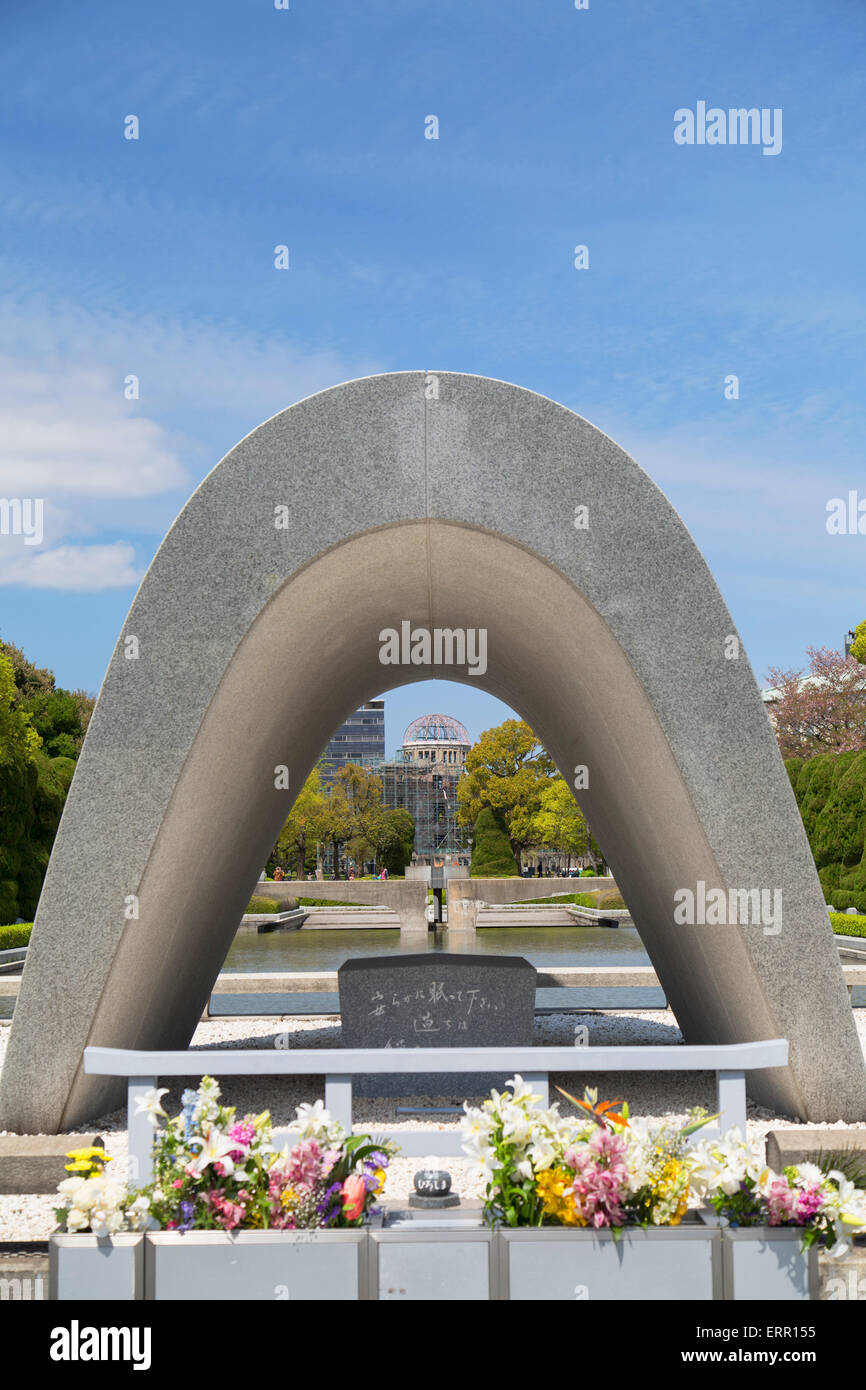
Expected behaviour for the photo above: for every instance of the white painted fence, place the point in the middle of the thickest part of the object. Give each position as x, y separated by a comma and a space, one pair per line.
143, 1070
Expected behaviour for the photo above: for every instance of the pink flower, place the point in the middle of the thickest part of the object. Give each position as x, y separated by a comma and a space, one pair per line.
782, 1202
600, 1178
304, 1168
178, 1182
810, 1201
244, 1132
354, 1197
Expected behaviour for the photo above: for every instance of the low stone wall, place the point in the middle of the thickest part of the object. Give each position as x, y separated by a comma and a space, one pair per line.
496, 891
406, 897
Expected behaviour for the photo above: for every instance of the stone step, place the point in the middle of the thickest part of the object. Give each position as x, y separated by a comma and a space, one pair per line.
802, 1142
37, 1162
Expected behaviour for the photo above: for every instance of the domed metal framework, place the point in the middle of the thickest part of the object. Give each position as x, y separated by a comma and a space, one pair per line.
436, 728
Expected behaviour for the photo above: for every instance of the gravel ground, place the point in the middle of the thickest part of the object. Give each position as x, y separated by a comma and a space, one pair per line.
665, 1095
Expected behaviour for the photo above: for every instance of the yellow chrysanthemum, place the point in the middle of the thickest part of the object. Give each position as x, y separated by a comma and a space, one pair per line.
87, 1161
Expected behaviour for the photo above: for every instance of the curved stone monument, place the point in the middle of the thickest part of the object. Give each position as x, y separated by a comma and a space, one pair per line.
448, 502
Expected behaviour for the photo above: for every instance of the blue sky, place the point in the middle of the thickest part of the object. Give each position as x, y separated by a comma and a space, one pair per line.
306, 127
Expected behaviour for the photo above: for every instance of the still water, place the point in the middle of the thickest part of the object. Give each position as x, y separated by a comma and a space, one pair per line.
542, 947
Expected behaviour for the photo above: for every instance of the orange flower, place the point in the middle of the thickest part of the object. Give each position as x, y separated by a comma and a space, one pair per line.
354, 1197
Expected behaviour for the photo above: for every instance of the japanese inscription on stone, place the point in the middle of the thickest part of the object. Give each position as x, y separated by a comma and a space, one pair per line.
437, 999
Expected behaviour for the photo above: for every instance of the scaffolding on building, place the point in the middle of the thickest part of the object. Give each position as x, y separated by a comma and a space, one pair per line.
429, 793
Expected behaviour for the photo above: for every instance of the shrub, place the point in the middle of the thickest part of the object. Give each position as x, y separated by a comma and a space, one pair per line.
492, 855
16, 935
601, 898
831, 793
259, 907
843, 898
848, 926
327, 902
607, 898
582, 899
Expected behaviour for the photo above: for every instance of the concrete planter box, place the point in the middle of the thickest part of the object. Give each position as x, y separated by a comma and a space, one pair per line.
665, 1263
765, 1263
293, 1266
416, 1261
94, 1268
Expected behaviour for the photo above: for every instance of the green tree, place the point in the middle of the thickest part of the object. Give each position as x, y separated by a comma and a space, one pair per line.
19, 774
33, 788
395, 840
60, 717
559, 823
492, 856
302, 826
352, 816
507, 770
831, 793
858, 646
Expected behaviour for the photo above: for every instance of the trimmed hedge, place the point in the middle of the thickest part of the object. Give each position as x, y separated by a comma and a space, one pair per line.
492, 856
327, 902
18, 934
841, 898
598, 898
579, 899
848, 926
259, 907
831, 793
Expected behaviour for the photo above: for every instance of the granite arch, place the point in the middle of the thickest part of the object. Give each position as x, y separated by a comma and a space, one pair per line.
447, 502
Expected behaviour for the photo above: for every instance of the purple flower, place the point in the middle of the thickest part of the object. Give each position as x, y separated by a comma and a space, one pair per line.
186, 1210
331, 1203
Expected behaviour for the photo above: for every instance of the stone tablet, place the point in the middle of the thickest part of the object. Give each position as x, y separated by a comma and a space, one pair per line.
437, 999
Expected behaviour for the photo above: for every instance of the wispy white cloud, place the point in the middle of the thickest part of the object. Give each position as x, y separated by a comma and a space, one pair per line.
68, 430
108, 468
78, 568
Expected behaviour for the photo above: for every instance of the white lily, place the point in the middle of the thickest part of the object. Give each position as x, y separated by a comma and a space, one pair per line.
215, 1148
521, 1091
149, 1104
314, 1121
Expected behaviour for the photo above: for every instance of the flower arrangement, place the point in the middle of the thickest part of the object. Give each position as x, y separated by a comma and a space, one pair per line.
598, 1168
91, 1199
215, 1172
731, 1175
544, 1168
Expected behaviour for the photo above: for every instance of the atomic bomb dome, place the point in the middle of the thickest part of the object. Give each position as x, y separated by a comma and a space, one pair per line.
436, 728
436, 738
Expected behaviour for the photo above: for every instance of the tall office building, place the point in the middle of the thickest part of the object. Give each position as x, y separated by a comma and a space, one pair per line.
359, 740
